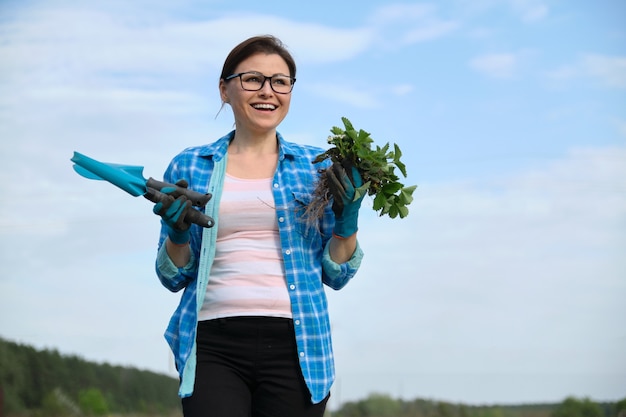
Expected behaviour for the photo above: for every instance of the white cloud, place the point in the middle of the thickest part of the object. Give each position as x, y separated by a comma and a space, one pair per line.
530, 10
608, 70
358, 98
75, 42
411, 23
621, 126
501, 65
563, 73
402, 89
611, 70
393, 13
429, 31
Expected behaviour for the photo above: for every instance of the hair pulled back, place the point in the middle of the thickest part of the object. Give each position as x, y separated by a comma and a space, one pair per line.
266, 44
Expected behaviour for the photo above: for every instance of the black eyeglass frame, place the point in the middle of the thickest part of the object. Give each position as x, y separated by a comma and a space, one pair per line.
265, 78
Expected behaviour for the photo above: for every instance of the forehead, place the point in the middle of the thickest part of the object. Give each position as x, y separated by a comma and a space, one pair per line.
267, 64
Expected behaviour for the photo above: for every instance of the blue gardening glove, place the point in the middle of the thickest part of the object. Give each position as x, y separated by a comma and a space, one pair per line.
342, 183
173, 212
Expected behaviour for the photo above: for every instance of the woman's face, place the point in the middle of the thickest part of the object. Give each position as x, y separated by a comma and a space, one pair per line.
261, 111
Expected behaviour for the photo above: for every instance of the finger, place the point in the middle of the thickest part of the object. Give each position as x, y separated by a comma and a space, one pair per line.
348, 167
163, 205
182, 183
172, 211
181, 214
335, 185
175, 210
337, 207
346, 182
356, 178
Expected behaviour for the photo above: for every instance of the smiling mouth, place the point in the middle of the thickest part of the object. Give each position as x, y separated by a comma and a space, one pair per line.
264, 106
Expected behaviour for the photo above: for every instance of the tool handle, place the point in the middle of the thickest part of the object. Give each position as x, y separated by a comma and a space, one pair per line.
197, 199
192, 215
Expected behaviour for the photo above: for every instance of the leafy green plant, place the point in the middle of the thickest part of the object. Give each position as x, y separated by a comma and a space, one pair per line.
92, 402
377, 167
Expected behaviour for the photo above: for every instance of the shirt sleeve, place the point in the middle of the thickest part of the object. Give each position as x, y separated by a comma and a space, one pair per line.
172, 277
336, 276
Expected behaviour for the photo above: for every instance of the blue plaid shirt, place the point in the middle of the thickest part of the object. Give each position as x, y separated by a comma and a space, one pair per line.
305, 255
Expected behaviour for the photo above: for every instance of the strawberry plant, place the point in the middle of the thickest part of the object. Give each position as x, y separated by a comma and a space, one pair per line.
377, 167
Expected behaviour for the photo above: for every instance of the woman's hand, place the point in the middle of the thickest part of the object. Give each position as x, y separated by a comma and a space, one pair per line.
173, 212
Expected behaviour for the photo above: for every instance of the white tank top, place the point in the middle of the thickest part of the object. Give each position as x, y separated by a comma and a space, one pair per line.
247, 277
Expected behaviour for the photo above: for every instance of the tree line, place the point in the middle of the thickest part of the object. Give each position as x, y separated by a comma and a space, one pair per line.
45, 383
381, 405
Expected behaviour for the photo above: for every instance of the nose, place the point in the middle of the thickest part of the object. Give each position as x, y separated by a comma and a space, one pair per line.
266, 87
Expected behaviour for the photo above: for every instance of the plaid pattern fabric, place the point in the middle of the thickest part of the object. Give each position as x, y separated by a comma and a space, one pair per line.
305, 255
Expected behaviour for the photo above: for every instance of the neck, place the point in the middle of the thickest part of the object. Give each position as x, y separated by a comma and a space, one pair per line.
246, 143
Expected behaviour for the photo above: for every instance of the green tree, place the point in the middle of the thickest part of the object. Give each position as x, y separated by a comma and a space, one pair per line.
380, 405
463, 411
57, 404
620, 408
444, 410
574, 407
52, 407
92, 402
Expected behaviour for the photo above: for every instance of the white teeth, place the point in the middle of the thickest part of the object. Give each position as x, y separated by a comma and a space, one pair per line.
264, 106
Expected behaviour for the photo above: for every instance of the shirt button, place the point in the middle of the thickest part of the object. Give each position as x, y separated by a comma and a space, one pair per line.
288, 252
297, 322
292, 287
275, 185
302, 354
281, 219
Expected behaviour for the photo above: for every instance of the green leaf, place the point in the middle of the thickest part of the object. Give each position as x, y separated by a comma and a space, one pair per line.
406, 194
392, 188
361, 191
401, 167
379, 201
393, 211
397, 152
336, 130
364, 137
347, 123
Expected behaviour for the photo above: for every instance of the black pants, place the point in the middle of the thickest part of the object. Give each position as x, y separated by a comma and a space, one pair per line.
248, 367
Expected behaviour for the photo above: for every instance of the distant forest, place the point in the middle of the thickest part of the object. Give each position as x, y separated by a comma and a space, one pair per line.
44, 383
377, 405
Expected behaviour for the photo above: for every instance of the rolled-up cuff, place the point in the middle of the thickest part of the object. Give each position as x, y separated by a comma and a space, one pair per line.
166, 265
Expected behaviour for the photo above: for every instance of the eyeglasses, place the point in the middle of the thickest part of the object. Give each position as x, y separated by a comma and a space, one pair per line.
254, 81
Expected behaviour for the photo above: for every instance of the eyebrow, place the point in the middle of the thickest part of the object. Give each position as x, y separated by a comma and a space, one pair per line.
260, 73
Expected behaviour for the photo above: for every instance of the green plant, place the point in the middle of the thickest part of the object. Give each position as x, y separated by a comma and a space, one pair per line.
376, 167
92, 402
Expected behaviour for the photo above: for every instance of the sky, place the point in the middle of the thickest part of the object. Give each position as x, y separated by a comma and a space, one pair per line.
505, 284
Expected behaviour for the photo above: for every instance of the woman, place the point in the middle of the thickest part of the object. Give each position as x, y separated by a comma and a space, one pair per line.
251, 335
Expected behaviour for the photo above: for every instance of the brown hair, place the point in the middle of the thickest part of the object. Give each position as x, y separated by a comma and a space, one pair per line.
266, 44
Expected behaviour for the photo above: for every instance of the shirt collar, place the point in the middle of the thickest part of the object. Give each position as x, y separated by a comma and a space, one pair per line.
217, 150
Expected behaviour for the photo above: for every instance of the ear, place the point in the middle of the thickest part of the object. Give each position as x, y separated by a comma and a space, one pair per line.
223, 92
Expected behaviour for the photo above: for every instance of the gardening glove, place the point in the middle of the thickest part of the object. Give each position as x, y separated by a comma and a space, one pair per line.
343, 180
173, 212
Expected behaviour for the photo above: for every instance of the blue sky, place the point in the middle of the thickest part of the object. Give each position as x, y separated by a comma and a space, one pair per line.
507, 281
